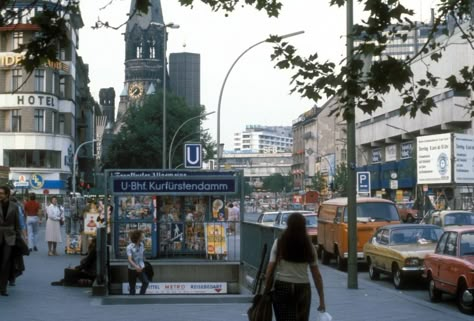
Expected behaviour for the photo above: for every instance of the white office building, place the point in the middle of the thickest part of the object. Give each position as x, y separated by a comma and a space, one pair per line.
264, 139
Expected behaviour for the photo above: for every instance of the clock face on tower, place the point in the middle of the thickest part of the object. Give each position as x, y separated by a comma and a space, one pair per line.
135, 90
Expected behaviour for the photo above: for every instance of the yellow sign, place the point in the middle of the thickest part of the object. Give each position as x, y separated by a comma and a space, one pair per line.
14, 59
216, 240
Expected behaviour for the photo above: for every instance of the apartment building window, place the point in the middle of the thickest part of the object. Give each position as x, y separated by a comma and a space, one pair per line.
39, 120
152, 45
16, 120
32, 158
62, 86
62, 121
17, 79
39, 80
17, 40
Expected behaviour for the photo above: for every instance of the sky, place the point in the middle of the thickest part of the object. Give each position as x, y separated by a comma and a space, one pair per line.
255, 93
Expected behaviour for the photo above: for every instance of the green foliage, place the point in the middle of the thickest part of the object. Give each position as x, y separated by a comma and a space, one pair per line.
248, 189
340, 179
274, 183
318, 183
139, 142
385, 21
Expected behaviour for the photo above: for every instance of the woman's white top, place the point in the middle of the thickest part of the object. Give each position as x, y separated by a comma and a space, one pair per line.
290, 271
54, 212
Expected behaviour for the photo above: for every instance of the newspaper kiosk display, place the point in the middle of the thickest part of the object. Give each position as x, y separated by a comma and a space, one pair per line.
174, 209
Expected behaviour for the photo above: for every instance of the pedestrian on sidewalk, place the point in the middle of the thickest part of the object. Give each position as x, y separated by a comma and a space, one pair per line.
53, 227
9, 229
18, 265
136, 262
290, 257
83, 274
33, 221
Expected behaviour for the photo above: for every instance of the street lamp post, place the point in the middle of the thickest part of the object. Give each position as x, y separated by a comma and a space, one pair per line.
74, 165
223, 85
177, 130
163, 26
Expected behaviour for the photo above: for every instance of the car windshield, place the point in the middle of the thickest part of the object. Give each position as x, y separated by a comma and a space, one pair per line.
270, 217
311, 221
467, 244
459, 218
415, 235
376, 211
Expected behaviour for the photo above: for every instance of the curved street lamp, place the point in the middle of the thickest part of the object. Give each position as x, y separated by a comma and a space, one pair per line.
223, 85
173, 151
177, 130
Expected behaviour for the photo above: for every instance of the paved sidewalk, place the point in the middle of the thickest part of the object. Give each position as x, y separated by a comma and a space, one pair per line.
34, 299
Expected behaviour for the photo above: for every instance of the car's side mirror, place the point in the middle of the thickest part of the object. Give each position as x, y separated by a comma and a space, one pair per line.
336, 220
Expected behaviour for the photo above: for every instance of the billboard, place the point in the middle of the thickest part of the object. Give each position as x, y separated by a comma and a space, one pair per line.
434, 161
464, 157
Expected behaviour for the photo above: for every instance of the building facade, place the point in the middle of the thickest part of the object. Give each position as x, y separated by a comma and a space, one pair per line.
185, 77
43, 117
264, 139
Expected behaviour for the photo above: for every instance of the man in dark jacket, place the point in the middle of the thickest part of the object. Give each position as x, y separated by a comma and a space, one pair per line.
9, 228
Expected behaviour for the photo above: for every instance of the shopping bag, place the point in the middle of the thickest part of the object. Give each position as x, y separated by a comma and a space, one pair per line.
323, 316
261, 309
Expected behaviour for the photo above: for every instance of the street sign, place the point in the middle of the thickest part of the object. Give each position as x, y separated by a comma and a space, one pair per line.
393, 184
363, 182
21, 184
192, 156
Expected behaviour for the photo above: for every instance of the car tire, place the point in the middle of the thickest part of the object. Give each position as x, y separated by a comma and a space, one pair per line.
374, 274
397, 277
434, 294
325, 256
467, 308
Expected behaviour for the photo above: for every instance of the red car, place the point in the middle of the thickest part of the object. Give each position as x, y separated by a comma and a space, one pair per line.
450, 269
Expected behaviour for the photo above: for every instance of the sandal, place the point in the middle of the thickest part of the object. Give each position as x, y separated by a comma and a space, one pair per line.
50, 253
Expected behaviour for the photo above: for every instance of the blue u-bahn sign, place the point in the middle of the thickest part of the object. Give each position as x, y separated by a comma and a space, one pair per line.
192, 156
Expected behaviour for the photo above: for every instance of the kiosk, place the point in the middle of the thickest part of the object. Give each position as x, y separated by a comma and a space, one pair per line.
184, 217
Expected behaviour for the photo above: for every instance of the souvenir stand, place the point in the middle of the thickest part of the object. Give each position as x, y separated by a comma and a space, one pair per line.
181, 212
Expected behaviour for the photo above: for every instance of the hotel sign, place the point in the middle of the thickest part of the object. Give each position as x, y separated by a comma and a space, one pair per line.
10, 59
28, 100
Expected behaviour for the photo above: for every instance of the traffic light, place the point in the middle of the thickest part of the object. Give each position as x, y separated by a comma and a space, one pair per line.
69, 184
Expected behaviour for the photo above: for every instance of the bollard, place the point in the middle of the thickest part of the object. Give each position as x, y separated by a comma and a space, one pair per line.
101, 254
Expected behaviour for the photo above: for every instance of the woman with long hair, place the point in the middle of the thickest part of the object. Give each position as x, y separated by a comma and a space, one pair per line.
287, 272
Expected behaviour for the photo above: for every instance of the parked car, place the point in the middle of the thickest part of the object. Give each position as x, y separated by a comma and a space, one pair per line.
446, 218
311, 222
399, 250
450, 268
407, 212
267, 218
333, 236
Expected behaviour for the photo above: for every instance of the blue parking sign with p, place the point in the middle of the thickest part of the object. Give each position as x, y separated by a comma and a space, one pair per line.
363, 182
192, 156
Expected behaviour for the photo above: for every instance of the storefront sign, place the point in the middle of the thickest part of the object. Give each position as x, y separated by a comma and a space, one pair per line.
434, 159
9, 59
169, 173
181, 288
406, 150
36, 181
391, 153
28, 100
174, 185
464, 156
376, 155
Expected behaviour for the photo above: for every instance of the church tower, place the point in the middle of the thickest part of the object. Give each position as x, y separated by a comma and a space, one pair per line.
144, 56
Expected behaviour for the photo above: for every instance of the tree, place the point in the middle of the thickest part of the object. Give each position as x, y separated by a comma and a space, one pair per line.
318, 182
275, 183
386, 20
340, 179
139, 142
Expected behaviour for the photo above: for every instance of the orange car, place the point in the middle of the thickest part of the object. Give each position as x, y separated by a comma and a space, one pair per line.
407, 213
450, 268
